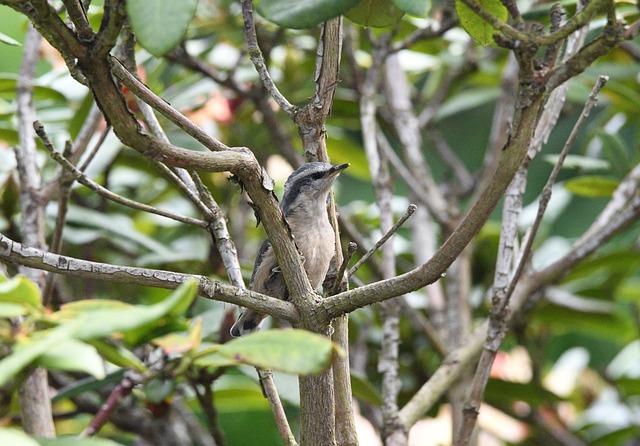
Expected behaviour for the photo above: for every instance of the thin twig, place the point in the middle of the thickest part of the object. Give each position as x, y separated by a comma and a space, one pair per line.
258, 60
270, 392
124, 388
82, 178
91, 155
424, 34
410, 210
502, 296
64, 195
33, 392
143, 92
546, 192
407, 128
351, 249
422, 323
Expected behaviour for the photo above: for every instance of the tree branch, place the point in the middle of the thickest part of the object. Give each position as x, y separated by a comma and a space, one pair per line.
33, 395
258, 60
14, 252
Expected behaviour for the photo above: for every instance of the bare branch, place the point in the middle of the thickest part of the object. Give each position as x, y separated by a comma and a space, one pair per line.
409, 212
33, 395
14, 252
547, 190
504, 285
124, 388
143, 92
258, 60
407, 127
343, 267
280, 417
83, 179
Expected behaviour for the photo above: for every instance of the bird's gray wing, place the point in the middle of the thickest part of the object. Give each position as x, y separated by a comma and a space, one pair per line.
267, 277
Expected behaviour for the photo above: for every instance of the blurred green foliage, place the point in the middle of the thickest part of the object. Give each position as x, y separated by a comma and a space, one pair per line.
106, 232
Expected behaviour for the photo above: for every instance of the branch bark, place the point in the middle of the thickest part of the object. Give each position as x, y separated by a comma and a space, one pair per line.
33, 395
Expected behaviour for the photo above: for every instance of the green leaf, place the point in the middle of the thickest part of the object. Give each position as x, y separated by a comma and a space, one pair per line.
73, 355
8, 83
15, 437
99, 323
298, 14
118, 226
291, 351
74, 441
505, 392
20, 290
157, 390
364, 390
26, 353
160, 25
592, 186
88, 323
118, 355
89, 384
583, 163
414, 7
8, 310
8, 40
475, 25
375, 13
466, 101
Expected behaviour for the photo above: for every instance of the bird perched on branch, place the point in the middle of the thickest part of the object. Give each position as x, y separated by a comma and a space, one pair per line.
304, 205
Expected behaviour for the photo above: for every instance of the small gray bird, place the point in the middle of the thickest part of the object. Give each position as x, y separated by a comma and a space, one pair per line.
304, 205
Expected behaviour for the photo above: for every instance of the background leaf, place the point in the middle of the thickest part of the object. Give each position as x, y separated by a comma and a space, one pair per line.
475, 25
160, 25
299, 14
414, 7
375, 13
291, 351
20, 290
592, 186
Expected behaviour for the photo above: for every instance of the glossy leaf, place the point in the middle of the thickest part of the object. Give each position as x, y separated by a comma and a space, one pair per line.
375, 13
8, 40
582, 163
414, 7
364, 390
86, 322
20, 290
40, 93
74, 441
99, 323
591, 186
73, 355
15, 437
160, 25
503, 392
118, 355
89, 384
158, 390
475, 25
180, 343
300, 14
26, 353
9, 310
291, 351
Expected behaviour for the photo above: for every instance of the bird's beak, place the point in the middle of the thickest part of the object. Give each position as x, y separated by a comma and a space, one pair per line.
337, 169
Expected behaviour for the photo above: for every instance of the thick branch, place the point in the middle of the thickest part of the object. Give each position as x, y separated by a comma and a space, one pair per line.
510, 160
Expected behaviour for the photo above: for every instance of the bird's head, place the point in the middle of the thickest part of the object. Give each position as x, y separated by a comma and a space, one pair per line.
309, 185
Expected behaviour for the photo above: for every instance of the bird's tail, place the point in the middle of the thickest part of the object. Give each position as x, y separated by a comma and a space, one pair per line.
248, 322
